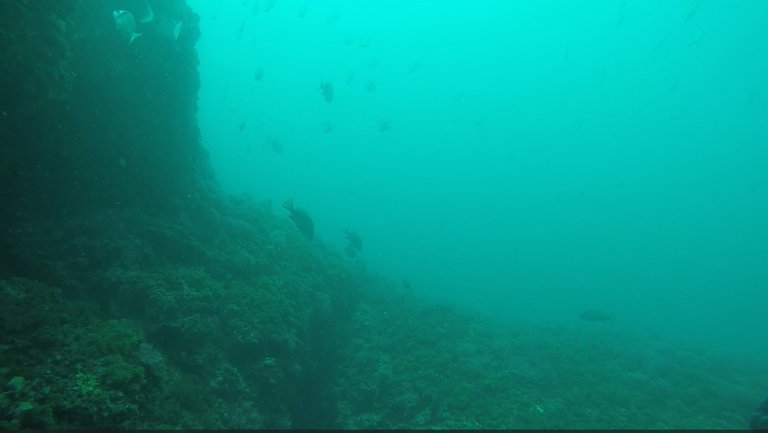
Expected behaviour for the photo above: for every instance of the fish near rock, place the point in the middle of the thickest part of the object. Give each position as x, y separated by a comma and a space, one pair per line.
167, 27
164, 26
597, 316
301, 219
355, 244
125, 24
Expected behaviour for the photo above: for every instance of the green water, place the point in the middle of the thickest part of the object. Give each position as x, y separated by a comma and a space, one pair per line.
541, 157
383, 214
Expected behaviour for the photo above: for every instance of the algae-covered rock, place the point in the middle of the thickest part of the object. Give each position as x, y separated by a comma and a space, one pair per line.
37, 58
76, 367
87, 121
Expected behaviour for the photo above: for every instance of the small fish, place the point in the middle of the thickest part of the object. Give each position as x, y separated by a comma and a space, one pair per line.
383, 125
370, 86
240, 30
326, 88
149, 14
125, 24
355, 245
241, 126
301, 219
274, 145
696, 38
692, 10
406, 284
168, 28
258, 74
620, 21
597, 316
328, 127
364, 43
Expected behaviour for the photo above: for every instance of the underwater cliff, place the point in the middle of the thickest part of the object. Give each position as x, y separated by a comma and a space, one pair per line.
134, 293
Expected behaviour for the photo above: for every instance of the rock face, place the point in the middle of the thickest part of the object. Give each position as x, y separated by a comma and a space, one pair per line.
759, 420
132, 293
89, 121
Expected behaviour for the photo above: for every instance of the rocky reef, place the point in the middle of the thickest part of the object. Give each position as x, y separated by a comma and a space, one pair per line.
135, 294
95, 122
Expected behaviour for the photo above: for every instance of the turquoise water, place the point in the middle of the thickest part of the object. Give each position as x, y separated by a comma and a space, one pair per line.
526, 159
383, 215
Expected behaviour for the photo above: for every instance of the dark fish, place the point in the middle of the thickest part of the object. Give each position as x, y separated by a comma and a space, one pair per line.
692, 10
355, 245
326, 88
621, 14
258, 74
597, 316
383, 125
274, 144
301, 219
241, 126
240, 30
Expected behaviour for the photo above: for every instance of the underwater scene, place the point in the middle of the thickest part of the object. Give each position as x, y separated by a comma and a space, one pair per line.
383, 214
